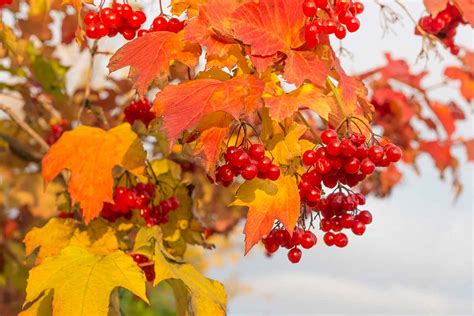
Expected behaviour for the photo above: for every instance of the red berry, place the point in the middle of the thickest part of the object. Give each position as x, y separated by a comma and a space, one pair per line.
159, 24
321, 3
226, 173
340, 32
91, 18
139, 258
336, 225
323, 165
358, 228
239, 159
328, 136
311, 35
134, 21
112, 20
365, 217
376, 153
128, 33
141, 16
351, 165
359, 7
257, 151
342, 5
308, 240
367, 166
175, 25
348, 149
347, 221
353, 25
92, 31
309, 157
264, 164
394, 153
271, 245
310, 8
329, 239
313, 196
340, 240
273, 173
249, 172
126, 11
294, 255
334, 148
325, 225
149, 272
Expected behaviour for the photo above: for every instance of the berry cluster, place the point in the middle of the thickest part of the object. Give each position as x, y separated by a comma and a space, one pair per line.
146, 265
443, 26
5, 2
139, 197
280, 237
57, 131
139, 110
249, 163
160, 23
330, 17
339, 211
347, 160
120, 18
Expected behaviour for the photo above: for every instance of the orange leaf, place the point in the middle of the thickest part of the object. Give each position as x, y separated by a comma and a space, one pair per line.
466, 78
469, 144
305, 65
445, 116
90, 154
435, 6
467, 10
440, 152
212, 27
269, 26
77, 4
182, 106
261, 63
268, 201
151, 56
212, 143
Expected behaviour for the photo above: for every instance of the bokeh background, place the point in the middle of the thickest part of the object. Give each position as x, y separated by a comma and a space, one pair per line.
416, 258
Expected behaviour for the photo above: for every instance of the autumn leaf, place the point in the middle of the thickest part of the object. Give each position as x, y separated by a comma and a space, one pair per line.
151, 56
440, 152
285, 147
445, 116
182, 106
435, 6
90, 154
195, 294
212, 144
77, 4
212, 28
466, 78
267, 202
467, 10
283, 105
469, 144
190, 6
301, 66
269, 26
82, 281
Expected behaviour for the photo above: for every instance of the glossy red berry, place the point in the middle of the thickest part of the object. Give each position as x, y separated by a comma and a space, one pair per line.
328, 136
310, 8
175, 25
353, 24
340, 32
257, 151
308, 240
394, 153
239, 159
309, 157
226, 173
365, 217
323, 165
341, 240
334, 148
376, 153
367, 166
329, 238
91, 18
311, 35
358, 228
294, 255
159, 24
273, 173
249, 172
264, 164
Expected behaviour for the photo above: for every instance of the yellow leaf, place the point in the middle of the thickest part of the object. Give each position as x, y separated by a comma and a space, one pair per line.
268, 201
164, 166
15, 48
77, 4
50, 239
82, 281
190, 6
90, 154
286, 147
98, 238
40, 307
197, 295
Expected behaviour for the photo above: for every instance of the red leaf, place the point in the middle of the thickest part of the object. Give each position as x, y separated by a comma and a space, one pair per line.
467, 10
445, 116
435, 6
469, 144
440, 152
269, 26
466, 78
305, 65
151, 56
212, 144
183, 106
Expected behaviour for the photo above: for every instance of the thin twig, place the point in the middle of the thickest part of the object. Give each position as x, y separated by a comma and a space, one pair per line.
25, 127
87, 88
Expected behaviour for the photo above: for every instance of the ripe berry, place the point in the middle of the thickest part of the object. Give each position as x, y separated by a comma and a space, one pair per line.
340, 32
159, 24
334, 148
311, 35
175, 25
128, 33
358, 228
359, 7
328, 136
149, 272
309, 157
341, 240
257, 151
325, 225
273, 173
365, 217
310, 8
353, 24
367, 166
308, 240
92, 31
394, 153
264, 164
271, 245
347, 221
91, 18
249, 172
351, 165
239, 159
226, 173
323, 165
376, 153
294, 255
329, 239
139, 258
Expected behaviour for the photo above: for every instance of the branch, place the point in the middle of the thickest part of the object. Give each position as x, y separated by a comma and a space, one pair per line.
25, 127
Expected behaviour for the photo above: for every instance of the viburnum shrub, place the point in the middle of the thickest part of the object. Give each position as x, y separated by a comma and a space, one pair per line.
235, 113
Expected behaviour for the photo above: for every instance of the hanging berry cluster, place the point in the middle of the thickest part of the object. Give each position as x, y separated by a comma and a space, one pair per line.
160, 23
139, 110
443, 26
248, 162
139, 197
5, 2
120, 18
340, 162
330, 17
146, 265
57, 131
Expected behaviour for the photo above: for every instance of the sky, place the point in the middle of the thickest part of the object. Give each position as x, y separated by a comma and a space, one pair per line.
416, 258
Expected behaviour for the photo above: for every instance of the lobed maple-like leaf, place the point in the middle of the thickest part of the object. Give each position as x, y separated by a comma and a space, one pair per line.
269, 26
82, 281
466, 78
286, 146
301, 66
268, 201
194, 293
151, 56
283, 105
212, 28
90, 154
183, 106
440, 152
212, 144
